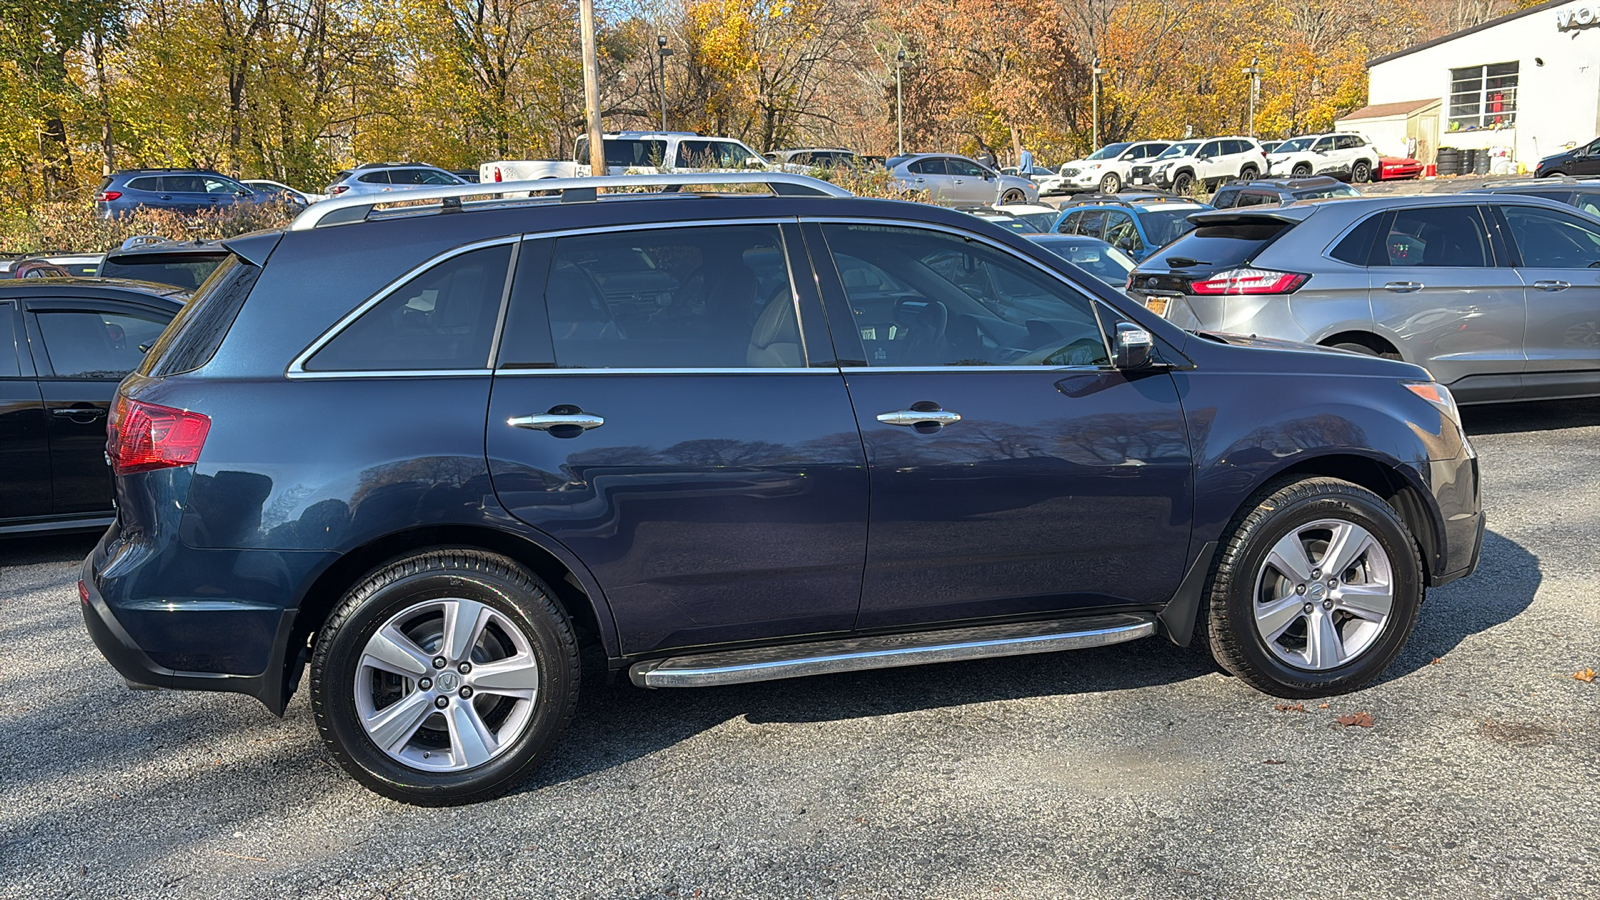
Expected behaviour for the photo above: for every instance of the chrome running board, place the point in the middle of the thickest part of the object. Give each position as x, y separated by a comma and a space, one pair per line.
888, 651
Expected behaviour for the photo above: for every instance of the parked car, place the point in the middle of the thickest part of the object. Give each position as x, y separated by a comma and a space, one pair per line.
1395, 168
1138, 225
1040, 215
1583, 194
182, 264
1106, 170
470, 176
379, 178
181, 190
1004, 220
1584, 160
1143, 173
64, 345
1269, 147
815, 158
1345, 155
281, 191
1212, 162
1498, 295
435, 482
1279, 191
1092, 255
56, 264
958, 181
636, 152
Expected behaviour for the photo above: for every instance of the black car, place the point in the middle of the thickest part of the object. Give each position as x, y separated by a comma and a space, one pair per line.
64, 345
1582, 193
1583, 160
1280, 191
183, 264
415, 446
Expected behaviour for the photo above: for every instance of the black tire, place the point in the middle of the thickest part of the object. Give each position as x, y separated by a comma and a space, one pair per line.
1228, 626
1361, 171
1364, 349
1301, 170
519, 600
1249, 173
1111, 183
1182, 183
1014, 196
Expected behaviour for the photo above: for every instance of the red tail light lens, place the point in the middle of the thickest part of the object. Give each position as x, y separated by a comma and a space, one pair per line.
339, 188
1250, 281
143, 436
107, 196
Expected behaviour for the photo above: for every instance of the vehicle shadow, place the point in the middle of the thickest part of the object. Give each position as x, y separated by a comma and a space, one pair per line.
56, 548
1543, 415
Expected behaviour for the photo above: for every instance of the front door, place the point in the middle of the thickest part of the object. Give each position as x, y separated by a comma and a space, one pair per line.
24, 434
1587, 160
1559, 257
1013, 471
699, 455
1438, 293
972, 183
82, 349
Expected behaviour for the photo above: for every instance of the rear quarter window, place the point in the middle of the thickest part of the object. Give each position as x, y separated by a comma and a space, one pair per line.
195, 334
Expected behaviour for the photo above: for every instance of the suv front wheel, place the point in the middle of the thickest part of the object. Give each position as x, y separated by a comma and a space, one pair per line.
444, 677
1316, 591
1361, 172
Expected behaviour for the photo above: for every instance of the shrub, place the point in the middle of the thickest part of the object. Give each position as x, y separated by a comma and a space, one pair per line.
75, 228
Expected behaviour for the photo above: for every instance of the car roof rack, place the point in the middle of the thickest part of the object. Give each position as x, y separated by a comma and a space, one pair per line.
1547, 181
455, 198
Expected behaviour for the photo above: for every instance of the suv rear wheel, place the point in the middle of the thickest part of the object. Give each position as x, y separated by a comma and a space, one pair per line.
1316, 591
1361, 171
1249, 173
444, 677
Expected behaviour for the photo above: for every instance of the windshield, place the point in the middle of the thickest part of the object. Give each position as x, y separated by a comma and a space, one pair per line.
1295, 144
1100, 259
1110, 151
1183, 148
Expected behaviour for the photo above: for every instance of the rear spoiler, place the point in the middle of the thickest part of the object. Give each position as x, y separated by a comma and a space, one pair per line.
255, 247
1254, 215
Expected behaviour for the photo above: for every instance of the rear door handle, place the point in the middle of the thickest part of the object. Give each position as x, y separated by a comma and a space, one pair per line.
912, 417
91, 413
1552, 285
1404, 287
563, 421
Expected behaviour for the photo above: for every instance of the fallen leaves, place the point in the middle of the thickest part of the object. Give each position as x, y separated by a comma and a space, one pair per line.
1358, 720
1290, 707
1584, 675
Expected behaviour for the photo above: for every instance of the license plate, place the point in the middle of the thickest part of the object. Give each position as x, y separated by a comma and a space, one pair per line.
1157, 305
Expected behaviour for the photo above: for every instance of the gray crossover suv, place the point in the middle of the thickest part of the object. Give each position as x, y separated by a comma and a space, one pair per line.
1497, 295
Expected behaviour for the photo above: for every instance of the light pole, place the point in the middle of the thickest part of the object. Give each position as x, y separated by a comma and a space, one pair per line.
899, 105
1254, 72
1097, 71
591, 88
662, 53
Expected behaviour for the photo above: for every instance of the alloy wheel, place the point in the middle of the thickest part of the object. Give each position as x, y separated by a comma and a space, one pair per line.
1323, 595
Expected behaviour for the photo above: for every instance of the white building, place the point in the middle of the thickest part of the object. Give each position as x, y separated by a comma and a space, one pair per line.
1526, 84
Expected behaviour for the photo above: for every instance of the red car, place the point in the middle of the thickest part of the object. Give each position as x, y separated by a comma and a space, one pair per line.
1393, 167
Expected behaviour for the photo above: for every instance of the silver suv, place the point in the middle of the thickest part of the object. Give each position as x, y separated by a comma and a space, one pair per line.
377, 178
1497, 295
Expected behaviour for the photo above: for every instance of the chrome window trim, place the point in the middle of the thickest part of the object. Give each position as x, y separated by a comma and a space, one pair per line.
297, 365
746, 370
1095, 303
394, 373
968, 370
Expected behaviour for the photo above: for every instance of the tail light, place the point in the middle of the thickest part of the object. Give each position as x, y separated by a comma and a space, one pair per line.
497, 173
107, 196
143, 436
339, 189
1250, 281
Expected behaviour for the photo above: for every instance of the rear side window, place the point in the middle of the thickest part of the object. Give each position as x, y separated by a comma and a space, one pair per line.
1442, 236
443, 319
194, 336
928, 166
9, 367
1225, 199
150, 183
1227, 246
1356, 248
102, 346
375, 178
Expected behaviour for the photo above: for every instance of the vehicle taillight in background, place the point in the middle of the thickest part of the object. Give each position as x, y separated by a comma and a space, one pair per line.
339, 189
141, 437
107, 196
1250, 281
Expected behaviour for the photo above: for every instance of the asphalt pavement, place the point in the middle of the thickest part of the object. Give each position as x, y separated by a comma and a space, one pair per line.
1130, 771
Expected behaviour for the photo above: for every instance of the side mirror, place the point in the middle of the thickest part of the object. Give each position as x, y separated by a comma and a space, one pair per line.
1135, 347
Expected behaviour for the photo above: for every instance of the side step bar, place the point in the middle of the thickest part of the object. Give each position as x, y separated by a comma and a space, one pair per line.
888, 651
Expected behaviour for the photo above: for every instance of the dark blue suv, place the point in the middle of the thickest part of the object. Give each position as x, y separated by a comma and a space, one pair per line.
431, 449
181, 190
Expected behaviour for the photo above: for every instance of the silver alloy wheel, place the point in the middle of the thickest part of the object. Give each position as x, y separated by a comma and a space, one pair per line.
1323, 594
446, 685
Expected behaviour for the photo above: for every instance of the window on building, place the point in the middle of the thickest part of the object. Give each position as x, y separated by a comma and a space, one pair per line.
1483, 97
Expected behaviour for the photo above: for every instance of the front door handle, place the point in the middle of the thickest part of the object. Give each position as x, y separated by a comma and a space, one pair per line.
557, 422
1404, 287
88, 412
913, 417
1552, 285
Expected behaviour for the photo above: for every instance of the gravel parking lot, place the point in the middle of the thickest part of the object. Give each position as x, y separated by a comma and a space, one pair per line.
1132, 771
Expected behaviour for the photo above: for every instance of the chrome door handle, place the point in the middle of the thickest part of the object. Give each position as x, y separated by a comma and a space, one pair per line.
74, 412
553, 420
1552, 285
1404, 287
910, 417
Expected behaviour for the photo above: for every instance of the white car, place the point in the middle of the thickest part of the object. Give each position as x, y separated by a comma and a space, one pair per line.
640, 153
1212, 162
1110, 167
1344, 155
277, 188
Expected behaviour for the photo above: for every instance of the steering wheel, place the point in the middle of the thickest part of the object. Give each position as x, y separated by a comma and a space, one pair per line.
927, 321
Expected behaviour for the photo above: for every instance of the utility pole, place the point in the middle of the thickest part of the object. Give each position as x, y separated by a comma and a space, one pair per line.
1254, 72
899, 105
591, 88
1095, 141
662, 53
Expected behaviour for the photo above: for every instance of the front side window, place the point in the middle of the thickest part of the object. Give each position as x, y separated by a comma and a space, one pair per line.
1323, 145
1092, 223
965, 168
1225, 199
1553, 240
959, 302
443, 319
214, 185
101, 346
1211, 149
1483, 97
1452, 236
1122, 233
687, 298
1588, 202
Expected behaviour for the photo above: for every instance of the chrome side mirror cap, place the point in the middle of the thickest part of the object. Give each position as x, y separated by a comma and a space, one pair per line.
1135, 347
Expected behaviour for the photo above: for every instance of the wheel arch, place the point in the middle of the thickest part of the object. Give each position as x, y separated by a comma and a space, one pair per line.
1364, 337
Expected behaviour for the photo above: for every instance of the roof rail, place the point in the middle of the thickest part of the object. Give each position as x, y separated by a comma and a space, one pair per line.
343, 210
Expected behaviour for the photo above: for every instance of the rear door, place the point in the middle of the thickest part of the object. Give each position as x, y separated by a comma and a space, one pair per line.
187, 193
1123, 233
1441, 297
1055, 483
24, 433
933, 176
1558, 259
699, 456
82, 349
